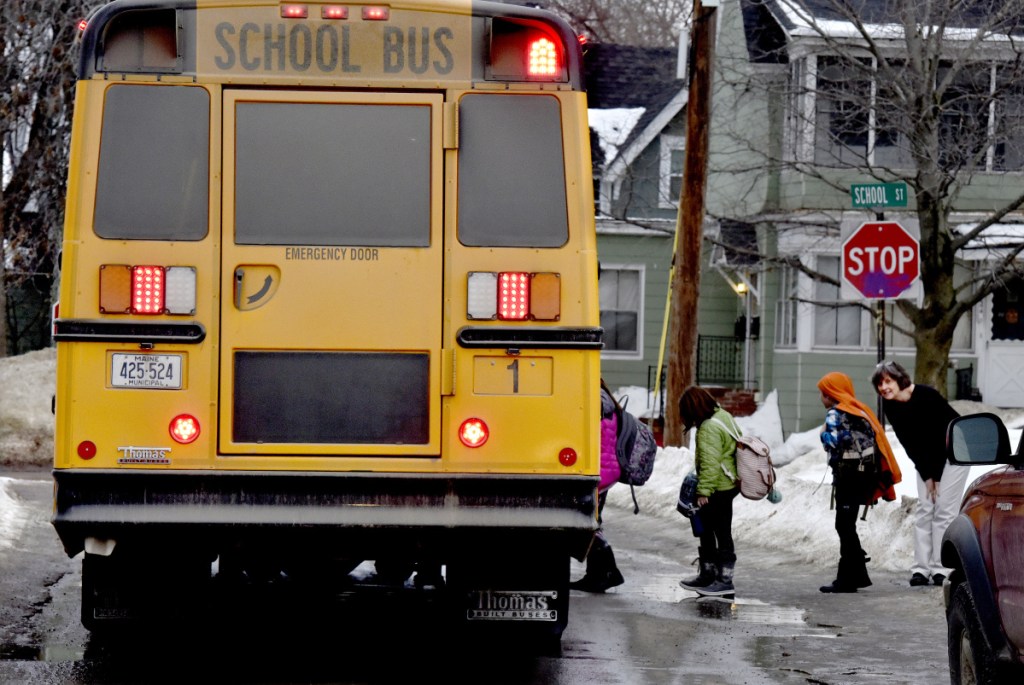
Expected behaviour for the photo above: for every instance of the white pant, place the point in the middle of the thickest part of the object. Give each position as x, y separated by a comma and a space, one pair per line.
932, 518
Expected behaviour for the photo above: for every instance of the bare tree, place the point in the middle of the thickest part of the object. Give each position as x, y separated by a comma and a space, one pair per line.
37, 39
625, 22
928, 92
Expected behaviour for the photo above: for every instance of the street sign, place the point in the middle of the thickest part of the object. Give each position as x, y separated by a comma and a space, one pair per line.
878, 195
880, 260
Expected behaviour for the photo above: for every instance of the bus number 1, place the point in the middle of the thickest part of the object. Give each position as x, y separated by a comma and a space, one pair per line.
514, 368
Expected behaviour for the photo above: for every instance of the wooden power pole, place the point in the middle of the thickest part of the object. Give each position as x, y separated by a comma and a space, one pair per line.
685, 290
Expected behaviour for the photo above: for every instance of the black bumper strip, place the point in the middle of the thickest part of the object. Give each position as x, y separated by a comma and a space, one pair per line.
533, 337
84, 330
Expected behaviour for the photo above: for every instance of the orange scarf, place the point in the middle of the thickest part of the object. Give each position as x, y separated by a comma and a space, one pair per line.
839, 387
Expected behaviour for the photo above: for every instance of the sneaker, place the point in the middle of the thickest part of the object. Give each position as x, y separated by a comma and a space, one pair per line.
918, 579
938, 578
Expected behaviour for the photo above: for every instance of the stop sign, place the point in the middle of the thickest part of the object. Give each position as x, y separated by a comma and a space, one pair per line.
880, 259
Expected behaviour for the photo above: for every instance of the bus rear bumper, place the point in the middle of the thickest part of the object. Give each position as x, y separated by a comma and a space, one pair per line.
362, 509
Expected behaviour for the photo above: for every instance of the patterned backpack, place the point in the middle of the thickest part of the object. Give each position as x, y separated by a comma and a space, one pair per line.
754, 469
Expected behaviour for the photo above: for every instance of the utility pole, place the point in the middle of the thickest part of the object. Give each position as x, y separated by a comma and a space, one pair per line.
685, 290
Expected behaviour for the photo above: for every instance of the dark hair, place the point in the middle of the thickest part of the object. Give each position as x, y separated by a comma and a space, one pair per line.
695, 406
893, 371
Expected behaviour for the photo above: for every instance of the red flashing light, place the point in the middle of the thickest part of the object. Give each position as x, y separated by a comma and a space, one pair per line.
543, 58
147, 289
184, 428
294, 11
334, 12
87, 449
513, 295
82, 25
376, 13
473, 432
567, 457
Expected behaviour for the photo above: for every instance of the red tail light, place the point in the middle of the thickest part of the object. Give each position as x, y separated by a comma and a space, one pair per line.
184, 428
473, 432
513, 296
147, 289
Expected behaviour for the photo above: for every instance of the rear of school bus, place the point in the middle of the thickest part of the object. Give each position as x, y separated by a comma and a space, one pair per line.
328, 294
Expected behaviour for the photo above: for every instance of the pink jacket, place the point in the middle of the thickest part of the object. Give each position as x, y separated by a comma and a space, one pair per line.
609, 461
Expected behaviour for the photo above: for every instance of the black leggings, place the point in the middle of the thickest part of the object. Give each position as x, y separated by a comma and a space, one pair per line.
716, 517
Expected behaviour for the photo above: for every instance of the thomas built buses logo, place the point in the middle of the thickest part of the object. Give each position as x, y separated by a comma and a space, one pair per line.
511, 605
144, 455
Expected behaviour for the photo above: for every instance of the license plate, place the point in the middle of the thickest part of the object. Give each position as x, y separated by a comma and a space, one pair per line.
161, 371
512, 605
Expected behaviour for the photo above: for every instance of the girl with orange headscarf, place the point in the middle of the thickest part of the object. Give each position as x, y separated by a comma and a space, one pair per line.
863, 469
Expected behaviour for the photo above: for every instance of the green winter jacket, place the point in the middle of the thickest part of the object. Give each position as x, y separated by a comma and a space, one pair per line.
716, 454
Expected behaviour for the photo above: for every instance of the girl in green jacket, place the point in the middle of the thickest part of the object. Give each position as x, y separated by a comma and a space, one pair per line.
716, 489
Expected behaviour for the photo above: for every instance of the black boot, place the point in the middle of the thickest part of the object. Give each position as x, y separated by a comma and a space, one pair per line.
602, 573
853, 574
708, 571
722, 585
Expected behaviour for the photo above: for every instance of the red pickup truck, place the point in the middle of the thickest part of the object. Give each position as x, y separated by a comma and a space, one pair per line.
984, 545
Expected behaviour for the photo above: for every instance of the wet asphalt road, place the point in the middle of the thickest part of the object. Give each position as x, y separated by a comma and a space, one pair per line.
779, 629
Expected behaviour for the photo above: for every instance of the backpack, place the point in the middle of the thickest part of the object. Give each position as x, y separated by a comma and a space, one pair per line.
754, 469
635, 449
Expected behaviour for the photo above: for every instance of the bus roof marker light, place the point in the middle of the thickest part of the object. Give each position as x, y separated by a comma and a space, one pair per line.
376, 13
474, 432
334, 12
482, 295
294, 11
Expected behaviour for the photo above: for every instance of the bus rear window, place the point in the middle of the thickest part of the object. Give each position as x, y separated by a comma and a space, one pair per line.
511, 172
153, 180
332, 174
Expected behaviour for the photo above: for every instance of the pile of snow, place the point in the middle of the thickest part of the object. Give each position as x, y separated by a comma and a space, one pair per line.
27, 384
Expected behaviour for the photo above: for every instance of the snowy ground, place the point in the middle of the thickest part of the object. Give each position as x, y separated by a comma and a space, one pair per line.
801, 521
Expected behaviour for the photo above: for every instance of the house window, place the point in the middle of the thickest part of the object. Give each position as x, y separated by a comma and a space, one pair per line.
786, 308
622, 297
843, 113
836, 323
671, 174
859, 119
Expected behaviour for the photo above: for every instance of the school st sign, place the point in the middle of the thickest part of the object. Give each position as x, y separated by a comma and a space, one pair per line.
880, 260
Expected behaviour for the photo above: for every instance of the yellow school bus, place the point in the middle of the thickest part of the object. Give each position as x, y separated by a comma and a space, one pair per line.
328, 294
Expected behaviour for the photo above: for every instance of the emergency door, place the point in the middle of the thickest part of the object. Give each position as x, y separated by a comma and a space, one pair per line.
331, 274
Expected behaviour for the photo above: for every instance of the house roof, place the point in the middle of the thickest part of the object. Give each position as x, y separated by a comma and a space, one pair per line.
628, 77
796, 16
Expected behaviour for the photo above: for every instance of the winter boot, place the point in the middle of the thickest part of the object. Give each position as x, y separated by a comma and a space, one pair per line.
602, 573
722, 585
706, 576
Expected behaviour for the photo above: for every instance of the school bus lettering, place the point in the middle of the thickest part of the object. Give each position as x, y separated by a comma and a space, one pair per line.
332, 254
398, 44
300, 48
277, 48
